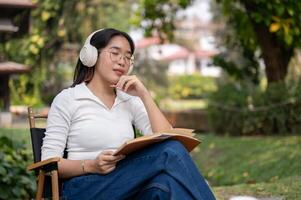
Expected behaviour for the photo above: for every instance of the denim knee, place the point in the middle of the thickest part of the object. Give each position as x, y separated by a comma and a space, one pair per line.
154, 191
174, 147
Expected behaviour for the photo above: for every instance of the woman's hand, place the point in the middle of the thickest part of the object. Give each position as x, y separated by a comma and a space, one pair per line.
131, 85
105, 162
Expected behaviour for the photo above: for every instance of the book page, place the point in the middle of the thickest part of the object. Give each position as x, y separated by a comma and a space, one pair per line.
182, 135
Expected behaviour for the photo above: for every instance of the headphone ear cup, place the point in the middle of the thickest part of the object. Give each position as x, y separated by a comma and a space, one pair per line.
88, 55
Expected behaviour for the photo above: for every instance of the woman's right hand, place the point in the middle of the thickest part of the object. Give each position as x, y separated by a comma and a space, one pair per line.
105, 162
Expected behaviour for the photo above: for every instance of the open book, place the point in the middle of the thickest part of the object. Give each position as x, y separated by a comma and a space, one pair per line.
185, 136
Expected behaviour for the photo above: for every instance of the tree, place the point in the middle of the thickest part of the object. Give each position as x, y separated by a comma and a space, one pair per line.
238, 46
276, 30
270, 25
159, 16
55, 23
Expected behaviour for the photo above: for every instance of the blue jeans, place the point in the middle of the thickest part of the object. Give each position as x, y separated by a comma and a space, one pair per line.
162, 171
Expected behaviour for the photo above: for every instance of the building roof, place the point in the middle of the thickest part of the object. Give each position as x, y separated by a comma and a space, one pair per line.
184, 53
13, 68
181, 53
204, 53
17, 4
146, 42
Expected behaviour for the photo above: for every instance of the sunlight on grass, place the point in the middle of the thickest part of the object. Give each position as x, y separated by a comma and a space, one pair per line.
286, 189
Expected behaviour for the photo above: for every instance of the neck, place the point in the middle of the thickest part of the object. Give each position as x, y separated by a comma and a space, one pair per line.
99, 86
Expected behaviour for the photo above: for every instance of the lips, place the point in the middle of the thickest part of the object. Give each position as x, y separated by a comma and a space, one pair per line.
119, 72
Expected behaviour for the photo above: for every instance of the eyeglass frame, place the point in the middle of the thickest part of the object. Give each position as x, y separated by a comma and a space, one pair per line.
128, 61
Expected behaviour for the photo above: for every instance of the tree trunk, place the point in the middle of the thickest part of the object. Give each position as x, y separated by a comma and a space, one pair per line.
276, 57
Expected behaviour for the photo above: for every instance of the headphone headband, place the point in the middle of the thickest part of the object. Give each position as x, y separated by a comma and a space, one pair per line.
88, 53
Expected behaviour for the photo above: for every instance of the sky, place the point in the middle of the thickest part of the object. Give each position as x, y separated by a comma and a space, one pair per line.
200, 8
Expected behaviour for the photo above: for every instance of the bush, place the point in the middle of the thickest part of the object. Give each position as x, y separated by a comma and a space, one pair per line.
190, 86
16, 181
246, 109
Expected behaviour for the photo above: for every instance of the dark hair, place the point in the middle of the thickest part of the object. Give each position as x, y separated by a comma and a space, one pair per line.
99, 40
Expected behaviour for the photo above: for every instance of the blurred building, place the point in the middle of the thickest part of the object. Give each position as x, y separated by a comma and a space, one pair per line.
14, 22
182, 59
191, 52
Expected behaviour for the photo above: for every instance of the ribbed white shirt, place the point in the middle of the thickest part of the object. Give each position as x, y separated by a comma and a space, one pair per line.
79, 121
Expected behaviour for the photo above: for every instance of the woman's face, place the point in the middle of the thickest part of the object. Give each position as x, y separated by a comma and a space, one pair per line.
113, 60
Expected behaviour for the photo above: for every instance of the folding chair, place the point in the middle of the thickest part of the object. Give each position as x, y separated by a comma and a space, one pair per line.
49, 185
47, 170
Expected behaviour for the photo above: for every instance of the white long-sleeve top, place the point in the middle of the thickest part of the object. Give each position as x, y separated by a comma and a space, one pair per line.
79, 121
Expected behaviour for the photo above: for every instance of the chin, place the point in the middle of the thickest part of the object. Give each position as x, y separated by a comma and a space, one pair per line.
114, 80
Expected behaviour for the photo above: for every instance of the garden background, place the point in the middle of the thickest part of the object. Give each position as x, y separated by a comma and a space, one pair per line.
247, 116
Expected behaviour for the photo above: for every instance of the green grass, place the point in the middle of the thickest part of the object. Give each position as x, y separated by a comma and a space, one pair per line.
255, 165
287, 189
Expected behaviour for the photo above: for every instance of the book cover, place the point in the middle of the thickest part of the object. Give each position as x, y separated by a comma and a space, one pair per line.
185, 136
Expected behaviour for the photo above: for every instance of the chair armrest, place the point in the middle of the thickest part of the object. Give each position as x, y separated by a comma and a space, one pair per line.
43, 163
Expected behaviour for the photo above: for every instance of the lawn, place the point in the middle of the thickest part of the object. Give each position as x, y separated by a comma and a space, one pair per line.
257, 166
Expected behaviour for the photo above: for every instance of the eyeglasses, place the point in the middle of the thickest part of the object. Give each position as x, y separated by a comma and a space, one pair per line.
116, 55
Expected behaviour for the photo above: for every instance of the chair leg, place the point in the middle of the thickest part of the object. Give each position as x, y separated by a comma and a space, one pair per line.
41, 181
55, 185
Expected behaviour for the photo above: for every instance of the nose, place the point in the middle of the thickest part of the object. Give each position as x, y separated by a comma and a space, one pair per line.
121, 60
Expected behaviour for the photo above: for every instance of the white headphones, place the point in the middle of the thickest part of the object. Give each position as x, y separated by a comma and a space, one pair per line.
88, 53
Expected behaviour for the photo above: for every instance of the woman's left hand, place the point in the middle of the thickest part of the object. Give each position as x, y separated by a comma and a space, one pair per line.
131, 85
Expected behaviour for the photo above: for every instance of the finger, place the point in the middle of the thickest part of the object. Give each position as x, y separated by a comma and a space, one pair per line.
118, 158
122, 81
110, 169
108, 158
107, 152
106, 168
129, 83
121, 158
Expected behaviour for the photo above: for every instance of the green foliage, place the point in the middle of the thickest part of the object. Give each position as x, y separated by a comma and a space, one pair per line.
280, 17
53, 24
237, 41
246, 109
190, 86
16, 182
253, 29
158, 15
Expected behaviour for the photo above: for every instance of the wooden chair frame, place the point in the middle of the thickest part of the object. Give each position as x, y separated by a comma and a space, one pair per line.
44, 168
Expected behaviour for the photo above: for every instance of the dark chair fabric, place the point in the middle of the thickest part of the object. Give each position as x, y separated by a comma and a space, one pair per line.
37, 135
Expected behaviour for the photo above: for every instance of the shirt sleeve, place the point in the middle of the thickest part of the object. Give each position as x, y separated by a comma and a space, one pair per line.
58, 124
140, 116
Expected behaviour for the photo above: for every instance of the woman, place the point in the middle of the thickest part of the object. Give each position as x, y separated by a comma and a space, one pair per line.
94, 117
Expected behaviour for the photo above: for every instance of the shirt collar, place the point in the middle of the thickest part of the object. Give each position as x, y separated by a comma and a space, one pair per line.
83, 92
